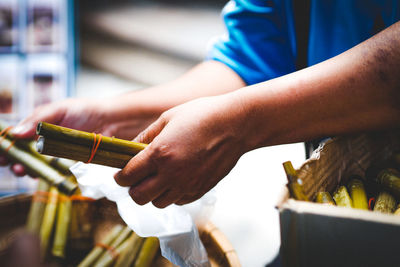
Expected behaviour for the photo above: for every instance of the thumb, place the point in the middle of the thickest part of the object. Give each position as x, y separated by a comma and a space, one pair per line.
49, 113
152, 131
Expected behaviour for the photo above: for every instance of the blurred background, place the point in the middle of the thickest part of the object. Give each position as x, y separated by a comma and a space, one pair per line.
53, 49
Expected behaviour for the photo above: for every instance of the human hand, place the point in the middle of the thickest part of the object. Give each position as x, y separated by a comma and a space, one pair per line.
83, 114
192, 147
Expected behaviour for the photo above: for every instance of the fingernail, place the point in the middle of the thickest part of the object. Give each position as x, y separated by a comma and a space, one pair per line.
19, 129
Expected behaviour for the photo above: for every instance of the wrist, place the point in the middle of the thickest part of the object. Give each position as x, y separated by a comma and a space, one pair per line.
241, 121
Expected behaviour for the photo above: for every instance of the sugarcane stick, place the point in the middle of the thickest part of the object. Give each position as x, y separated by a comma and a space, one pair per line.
295, 184
86, 139
62, 165
36, 167
48, 220
324, 198
38, 205
390, 180
62, 226
129, 250
397, 211
342, 198
147, 252
80, 236
82, 153
385, 202
30, 147
97, 251
358, 195
109, 256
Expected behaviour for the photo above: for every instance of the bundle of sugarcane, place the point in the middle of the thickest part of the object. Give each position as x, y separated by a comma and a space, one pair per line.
38, 204
58, 218
384, 178
80, 236
20, 151
122, 248
83, 146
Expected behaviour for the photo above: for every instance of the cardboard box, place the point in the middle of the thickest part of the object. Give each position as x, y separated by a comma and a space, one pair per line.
321, 235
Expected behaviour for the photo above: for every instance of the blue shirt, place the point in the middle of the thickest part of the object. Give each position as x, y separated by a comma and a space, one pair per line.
260, 43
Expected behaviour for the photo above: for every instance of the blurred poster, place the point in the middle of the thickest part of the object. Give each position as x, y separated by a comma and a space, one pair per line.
46, 80
8, 25
8, 87
46, 25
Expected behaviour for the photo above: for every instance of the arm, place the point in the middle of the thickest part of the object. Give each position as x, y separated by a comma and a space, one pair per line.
358, 90
193, 146
209, 78
126, 115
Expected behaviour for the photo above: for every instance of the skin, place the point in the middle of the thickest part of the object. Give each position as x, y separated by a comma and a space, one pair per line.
125, 116
194, 145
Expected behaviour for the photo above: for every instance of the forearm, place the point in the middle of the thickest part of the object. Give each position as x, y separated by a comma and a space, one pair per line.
359, 90
206, 79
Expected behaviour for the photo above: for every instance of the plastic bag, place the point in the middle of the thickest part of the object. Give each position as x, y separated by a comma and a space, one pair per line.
173, 225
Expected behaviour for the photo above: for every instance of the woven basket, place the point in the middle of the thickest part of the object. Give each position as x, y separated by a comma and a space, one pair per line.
104, 216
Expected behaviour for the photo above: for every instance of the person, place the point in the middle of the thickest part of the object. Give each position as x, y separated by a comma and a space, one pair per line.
248, 95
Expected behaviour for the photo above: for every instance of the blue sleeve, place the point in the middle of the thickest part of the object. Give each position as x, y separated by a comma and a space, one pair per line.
260, 40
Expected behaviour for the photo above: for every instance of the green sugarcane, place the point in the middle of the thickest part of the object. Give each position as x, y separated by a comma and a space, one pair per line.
128, 251
397, 211
62, 165
358, 195
80, 236
324, 198
97, 251
62, 226
147, 252
73, 136
36, 167
385, 202
38, 206
295, 184
342, 198
109, 256
29, 146
390, 180
48, 220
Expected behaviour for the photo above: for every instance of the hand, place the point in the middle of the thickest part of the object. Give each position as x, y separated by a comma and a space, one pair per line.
192, 147
83, 114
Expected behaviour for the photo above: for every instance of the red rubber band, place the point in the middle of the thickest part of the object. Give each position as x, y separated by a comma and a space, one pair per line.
114, 254
63, 198
40, 196
96, 143
372, 199
4, 133
81, 198
10, 146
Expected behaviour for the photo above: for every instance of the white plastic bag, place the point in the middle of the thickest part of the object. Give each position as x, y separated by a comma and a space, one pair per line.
173, 225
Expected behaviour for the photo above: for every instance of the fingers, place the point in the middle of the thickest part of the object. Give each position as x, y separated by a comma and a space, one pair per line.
137, 169
167, 198
142, 165
151, 132
24, 130
18, 169
148, 190
49, 113
188, 199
